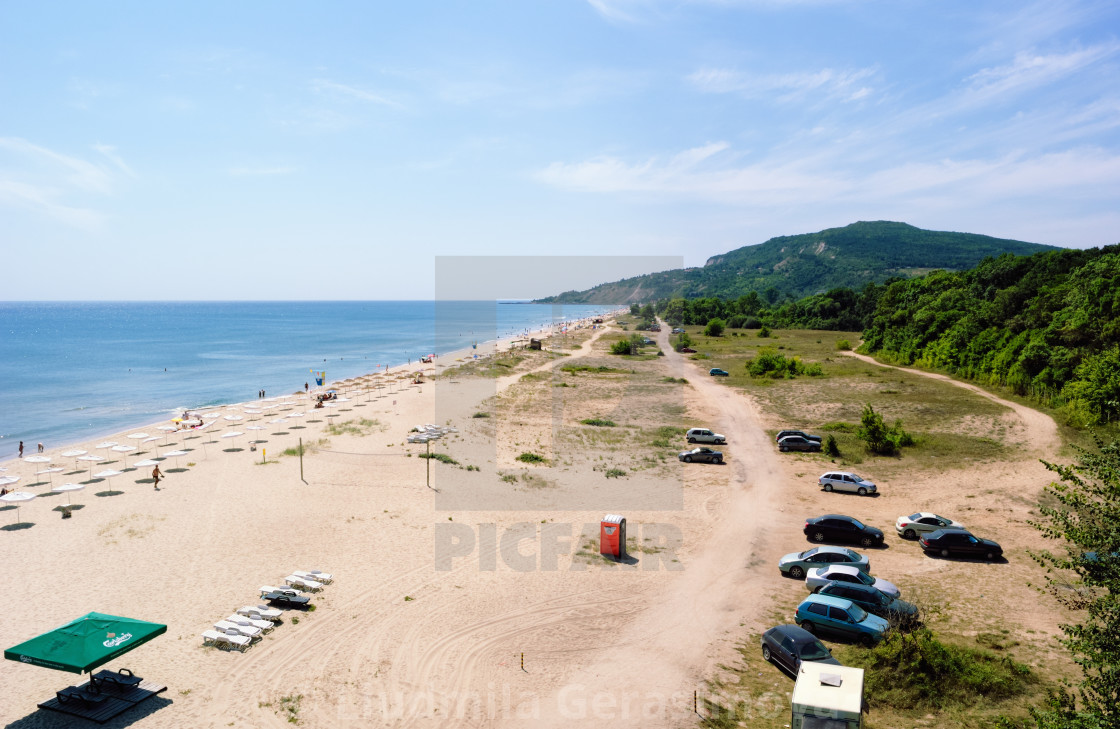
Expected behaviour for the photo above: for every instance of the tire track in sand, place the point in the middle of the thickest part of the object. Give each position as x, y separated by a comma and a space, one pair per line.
1042, 431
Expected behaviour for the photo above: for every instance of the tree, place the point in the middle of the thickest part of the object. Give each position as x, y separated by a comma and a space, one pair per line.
683, 340
634, 309
874, 432
715, 328
1086, 518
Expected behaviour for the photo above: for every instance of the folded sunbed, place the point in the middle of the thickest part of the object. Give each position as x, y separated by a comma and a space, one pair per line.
302, 584
263, 625
233, 628
262, 612
316, 575
223, 639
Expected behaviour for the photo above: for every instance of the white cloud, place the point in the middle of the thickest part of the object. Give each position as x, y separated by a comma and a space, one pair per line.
353, 92
260, 171
697, 174
826, 83
45, 201
1030, 70
76, 172
110, 153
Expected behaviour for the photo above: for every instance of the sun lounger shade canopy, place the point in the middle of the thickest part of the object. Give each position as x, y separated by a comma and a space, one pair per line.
86, 643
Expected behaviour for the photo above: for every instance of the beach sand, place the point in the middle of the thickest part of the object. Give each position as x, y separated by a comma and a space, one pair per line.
442, 590
417, 629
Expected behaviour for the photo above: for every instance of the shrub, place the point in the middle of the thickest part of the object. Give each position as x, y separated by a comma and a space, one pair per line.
843, 345
615, 473
531, 458
830, 447
683, 340
600, 422
764, 332
880, 439
441, 457
736, 322
751, 322
814, 370
918, 671
715, 328
481, 415
771, 363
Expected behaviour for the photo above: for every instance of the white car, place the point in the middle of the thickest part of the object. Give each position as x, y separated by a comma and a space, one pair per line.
703, 435
924, 522
817, 578
845, 481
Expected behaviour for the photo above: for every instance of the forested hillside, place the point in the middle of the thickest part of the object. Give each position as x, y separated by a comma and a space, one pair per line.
794, 266
1044, 325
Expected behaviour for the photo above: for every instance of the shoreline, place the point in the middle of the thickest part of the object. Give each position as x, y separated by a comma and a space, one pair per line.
30, 449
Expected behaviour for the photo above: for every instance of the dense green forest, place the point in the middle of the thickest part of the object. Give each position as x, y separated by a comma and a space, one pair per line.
1045, 325
795, 266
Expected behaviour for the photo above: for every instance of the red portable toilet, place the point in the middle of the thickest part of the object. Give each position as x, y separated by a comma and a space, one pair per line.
612, 536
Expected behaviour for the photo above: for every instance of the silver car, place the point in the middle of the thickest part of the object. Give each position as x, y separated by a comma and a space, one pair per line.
923, 522
846, 481
703, 435
796, 564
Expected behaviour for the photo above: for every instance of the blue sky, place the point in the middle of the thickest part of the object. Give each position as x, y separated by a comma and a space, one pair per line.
290, 150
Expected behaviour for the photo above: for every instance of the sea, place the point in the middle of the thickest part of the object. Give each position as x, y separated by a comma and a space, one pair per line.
74, 371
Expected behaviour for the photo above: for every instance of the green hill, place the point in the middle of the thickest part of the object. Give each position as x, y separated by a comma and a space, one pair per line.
801, 265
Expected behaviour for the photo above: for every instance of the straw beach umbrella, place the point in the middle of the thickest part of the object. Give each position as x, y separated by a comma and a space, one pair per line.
17, 498
50, 473
91, 460
108, 474
124, 451
67, 488
74, 454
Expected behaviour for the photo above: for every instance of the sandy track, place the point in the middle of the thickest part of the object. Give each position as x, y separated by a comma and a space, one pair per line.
1041, 432
673, 644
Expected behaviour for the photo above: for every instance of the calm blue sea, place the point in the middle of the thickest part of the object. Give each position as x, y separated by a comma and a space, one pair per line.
72, 371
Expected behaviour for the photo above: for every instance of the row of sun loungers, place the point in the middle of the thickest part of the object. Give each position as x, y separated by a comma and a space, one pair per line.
249, 623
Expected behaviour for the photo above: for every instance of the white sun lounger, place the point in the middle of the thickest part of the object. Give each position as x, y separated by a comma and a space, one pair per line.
222, 640
262, 611
233, 629
324, 577
263, 625
302, 584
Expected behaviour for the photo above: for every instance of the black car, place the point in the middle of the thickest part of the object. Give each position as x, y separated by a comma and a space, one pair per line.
948, 542
786, 433
837, 528
873, 601
701, 455
789, 645
798, 443
285, 600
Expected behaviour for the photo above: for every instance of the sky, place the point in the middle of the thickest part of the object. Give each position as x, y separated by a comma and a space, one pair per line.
295, 150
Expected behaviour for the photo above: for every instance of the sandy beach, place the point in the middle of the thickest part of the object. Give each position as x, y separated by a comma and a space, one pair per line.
476, 600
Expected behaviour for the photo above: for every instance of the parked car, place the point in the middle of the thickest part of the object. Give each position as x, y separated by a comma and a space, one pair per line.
839, 528
949, 542
797, 443
818, 577
701, 455
846, 481
717, 372
687, 350
677, 330
873, 601
786, 433
789, 645
923, 522
703, 435
827, 614
796, 564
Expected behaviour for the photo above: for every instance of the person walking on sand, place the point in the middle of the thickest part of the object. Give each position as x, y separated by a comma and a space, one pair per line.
305, 387
156, 476
21, 449
40, 447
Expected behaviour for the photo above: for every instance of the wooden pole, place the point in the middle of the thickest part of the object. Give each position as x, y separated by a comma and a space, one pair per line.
301, 459
429, 462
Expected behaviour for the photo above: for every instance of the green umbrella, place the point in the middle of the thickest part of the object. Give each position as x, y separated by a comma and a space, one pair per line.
86, 643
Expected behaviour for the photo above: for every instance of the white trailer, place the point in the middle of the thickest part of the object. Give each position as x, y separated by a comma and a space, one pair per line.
827, 697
